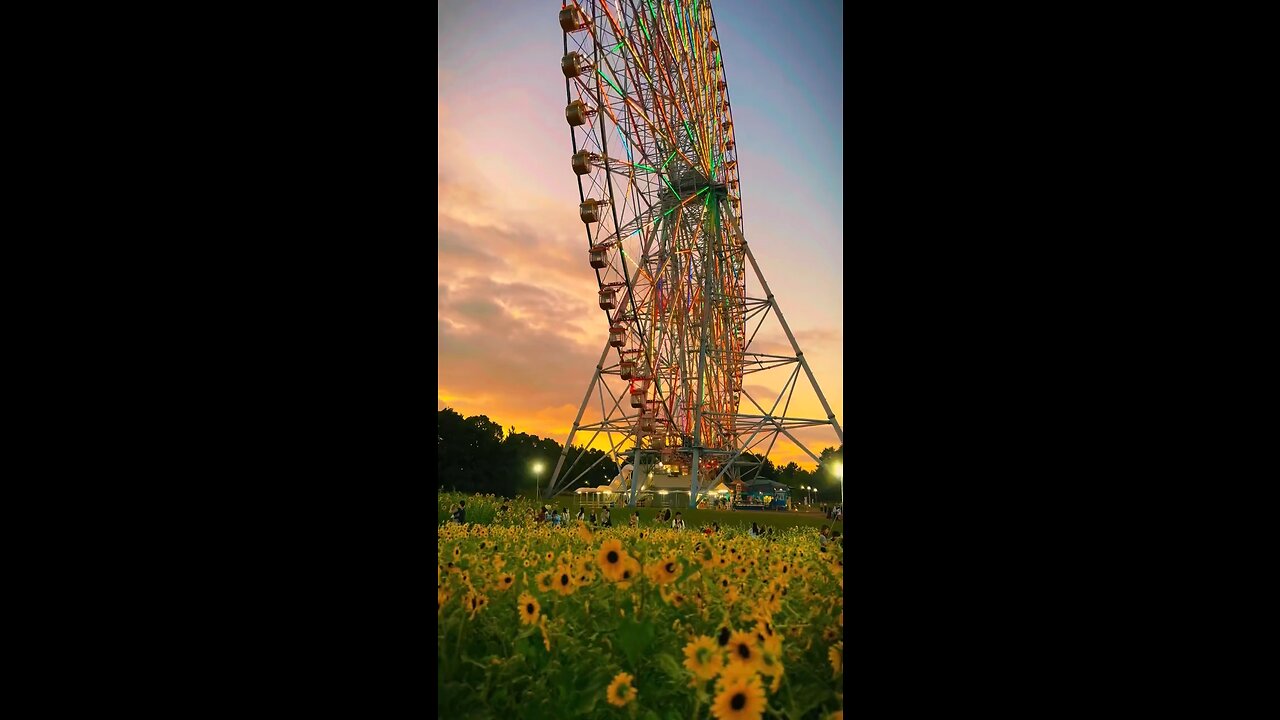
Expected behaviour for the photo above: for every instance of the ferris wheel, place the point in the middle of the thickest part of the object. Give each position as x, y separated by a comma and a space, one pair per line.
655, 156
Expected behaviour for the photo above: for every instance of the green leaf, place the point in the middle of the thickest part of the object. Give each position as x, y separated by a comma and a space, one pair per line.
588, 700
668, 665
634, 638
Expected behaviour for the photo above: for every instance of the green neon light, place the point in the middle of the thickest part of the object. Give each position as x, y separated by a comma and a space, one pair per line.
673, 190
664, 165
646, 167
606, 79
617, 47
645, 29
690, 131
652, 13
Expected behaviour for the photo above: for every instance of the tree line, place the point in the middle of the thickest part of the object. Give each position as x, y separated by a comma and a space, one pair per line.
474, 454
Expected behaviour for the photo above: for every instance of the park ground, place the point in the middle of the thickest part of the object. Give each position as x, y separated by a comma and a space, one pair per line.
694, 518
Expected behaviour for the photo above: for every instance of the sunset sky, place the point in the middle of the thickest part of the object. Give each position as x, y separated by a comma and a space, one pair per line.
518, 327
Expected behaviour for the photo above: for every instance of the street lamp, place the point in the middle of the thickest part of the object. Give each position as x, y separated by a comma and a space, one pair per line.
537, 470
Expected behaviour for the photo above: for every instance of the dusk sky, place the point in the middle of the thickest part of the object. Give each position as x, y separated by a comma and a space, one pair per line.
518, 328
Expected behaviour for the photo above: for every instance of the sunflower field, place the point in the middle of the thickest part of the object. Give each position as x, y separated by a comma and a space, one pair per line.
535, 621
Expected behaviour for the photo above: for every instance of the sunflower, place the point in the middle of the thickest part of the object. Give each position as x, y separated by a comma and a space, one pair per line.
620, 691
722, 639
529, 609
664, 571
442, 597
544, 581
611, 559
562, 580
744, 651
772, 666
550, 556
732, 671
474, 602
829, 634
703, 658
630, 571
835, 654
740, 697
505, 581
768, 639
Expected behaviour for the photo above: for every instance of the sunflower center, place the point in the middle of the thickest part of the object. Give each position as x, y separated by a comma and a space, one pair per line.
671, 568
703, 656
564, 579
529, 608
612, 557
724, 636
739, 701
744, 651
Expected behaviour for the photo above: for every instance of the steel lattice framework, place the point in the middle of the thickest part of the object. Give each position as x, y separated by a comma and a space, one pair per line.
660, 197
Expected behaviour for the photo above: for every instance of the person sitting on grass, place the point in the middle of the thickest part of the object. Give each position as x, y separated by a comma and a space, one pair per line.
582, 513
678, 523
634, 520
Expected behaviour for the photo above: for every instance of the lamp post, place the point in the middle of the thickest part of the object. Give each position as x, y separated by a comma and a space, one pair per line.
537, 471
